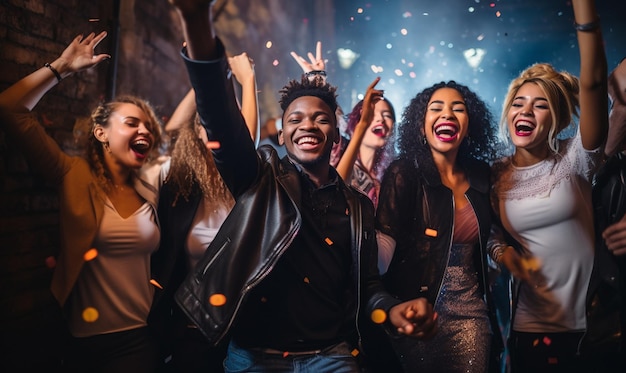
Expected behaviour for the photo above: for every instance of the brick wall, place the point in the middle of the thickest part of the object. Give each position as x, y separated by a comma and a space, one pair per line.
33, 32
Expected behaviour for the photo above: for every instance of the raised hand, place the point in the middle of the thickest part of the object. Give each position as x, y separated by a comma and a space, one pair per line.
79, 55
242, 67
315, 63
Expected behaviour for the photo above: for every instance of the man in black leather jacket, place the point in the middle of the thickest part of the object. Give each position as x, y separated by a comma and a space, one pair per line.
295, 262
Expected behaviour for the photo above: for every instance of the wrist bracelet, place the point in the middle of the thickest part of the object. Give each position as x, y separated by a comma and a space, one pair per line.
315, 72
54, 71
586, 27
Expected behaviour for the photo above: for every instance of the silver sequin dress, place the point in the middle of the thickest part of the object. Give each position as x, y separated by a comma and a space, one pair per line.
464, 338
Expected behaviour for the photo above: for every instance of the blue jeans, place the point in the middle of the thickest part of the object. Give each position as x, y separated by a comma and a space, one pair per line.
337, 359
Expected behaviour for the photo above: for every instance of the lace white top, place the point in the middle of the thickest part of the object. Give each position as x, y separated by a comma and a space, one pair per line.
547, 208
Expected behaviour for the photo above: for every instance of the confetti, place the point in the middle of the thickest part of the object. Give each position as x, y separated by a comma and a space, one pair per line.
212, 145
430, 232
306, 280
156, 283
51, 262
217, 300
328, 241
378, 316
553, 360
355, 352
91, 254
547, 341
535, 343
90, 314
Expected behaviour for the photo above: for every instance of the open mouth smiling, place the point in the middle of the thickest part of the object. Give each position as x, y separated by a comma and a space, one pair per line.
524, 128
141, 147
446, 132
307, 142
379, 131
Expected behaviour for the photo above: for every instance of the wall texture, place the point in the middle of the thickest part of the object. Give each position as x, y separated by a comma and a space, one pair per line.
146, 63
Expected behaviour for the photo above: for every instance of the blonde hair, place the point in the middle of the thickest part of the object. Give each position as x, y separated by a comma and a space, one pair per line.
561, 90
193, 163
100, 117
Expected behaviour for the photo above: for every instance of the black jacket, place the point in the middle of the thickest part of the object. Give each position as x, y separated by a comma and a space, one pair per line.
412, 201
265, 219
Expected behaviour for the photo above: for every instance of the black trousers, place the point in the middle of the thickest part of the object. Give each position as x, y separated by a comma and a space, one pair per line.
130, 351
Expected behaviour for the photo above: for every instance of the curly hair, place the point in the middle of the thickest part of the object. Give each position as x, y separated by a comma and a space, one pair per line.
193, 163
316, 87
100, 117
561, 89
483, 144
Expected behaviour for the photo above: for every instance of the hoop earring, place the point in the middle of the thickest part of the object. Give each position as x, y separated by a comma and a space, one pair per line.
107, 148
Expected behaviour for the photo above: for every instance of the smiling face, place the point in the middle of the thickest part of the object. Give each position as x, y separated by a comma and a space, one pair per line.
308, 133
446, 122
127, 135
529, 119
381, 126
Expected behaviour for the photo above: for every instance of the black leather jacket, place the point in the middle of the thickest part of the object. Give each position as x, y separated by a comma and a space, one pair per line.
265, 219
411, 202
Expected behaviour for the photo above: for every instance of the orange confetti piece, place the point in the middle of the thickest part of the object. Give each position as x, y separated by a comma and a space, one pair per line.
156, 283
355, 352
285, 354
535, 342
347, 211
378, 316
51, 262
306, 279
430, 232
90, 314
329, 242
547, 341
91, 254
213, 145
217, 300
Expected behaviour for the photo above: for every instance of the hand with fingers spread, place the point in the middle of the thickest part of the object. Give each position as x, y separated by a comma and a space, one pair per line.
316, 62
414, 318
80, 54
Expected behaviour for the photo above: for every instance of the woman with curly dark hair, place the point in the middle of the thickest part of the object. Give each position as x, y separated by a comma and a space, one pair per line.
434, 218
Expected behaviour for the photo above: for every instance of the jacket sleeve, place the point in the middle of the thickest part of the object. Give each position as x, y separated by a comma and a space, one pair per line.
236, 157
396, 204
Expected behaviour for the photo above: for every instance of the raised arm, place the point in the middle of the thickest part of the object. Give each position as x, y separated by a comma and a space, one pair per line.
593, 75
220, 115
79, 55
184, 112
243, 70
346, 163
